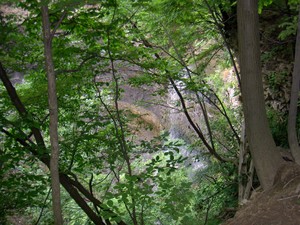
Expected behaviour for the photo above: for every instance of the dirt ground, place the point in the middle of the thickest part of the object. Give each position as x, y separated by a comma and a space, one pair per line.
278, 206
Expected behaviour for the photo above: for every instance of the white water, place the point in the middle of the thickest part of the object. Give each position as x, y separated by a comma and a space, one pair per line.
180, 129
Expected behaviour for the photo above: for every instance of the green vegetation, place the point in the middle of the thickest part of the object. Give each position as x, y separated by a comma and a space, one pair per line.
109, 171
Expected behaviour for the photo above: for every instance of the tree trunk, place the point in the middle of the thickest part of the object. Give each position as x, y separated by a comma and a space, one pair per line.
245, 171
53, 110
262, 146
292, 132
76, 190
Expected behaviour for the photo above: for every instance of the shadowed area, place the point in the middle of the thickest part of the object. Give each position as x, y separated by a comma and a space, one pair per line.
277, 206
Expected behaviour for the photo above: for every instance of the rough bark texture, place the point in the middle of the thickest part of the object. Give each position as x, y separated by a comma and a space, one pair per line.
292, 132
245, 170
262, 146
53, 111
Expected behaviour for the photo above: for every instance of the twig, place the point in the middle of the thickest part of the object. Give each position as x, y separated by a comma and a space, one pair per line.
78, 68
290, 182
207, 211
57, 24
225, 42
289, 197
43, 207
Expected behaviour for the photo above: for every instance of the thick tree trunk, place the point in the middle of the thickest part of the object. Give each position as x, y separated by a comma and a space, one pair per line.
292, 131
262, 146
53, 110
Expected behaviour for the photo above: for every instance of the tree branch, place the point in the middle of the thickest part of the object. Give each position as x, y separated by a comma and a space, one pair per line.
79, 66
196, 129
58, 24
21, 108
71, 186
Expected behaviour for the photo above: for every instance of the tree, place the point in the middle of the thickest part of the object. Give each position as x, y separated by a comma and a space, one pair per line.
53, 112
39, 147
101, 166
292, 120
93, 140
262, 146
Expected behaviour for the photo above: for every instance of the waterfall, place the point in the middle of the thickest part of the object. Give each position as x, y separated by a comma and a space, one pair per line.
180, 129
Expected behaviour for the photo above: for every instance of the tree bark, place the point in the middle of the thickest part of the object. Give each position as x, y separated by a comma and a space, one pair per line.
262, 146
73, 187
292, 120
53, 111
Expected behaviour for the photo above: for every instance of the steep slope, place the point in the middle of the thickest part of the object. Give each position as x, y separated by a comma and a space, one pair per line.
280, 205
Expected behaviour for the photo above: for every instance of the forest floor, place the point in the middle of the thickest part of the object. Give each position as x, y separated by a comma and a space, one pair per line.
278, 206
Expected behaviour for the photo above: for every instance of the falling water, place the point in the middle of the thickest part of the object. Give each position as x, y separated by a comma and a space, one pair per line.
180, 129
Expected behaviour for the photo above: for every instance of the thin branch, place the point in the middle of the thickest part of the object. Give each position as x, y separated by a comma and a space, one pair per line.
196, 129
289, 197
222, 110
102, 180
122, 142
43, 207
79, 66
207, 211
224, 146
68, 184
19, 140
58, 24
13, 125
163, 105
41, 122
66, 181
115, 122
205, 115
227, 118
202, 104
225, 42
91, 191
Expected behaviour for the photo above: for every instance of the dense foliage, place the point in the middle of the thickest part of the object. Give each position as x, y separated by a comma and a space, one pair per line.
164, 45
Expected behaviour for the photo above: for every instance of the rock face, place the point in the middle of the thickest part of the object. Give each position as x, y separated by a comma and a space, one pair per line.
149, 110
277, 206
145, 124
153, 112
